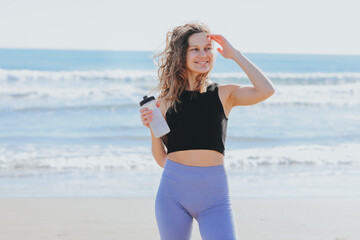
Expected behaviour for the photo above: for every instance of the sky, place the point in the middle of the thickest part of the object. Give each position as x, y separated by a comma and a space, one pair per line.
251, 26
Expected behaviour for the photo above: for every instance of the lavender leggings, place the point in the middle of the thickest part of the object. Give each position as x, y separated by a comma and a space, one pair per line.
187, 192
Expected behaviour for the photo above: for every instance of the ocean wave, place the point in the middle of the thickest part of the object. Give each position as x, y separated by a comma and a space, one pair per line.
85, 107
127, 76
97, 157
24, 90
118, 74
308, 95
68, 98
301, 78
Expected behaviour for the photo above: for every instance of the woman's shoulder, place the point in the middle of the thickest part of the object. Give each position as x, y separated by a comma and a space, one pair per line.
225, 92
212, 86
226, 88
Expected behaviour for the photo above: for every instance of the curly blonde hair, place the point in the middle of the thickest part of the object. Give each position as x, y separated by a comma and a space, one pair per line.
172, 74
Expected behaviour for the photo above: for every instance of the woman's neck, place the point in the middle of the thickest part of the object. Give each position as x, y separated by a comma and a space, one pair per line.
192, 86
191, 82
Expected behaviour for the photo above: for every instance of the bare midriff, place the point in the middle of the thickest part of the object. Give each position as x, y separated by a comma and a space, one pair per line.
197, 158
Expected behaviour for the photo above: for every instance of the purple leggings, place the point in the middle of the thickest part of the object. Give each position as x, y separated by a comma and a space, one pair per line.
187, 192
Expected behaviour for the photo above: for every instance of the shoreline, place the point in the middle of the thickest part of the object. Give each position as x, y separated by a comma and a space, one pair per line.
134, 218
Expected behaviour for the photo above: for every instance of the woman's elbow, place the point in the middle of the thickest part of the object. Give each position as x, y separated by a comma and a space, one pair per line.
268, 93
271, 92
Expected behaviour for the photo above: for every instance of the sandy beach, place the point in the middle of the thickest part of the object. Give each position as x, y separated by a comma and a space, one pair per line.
126, 218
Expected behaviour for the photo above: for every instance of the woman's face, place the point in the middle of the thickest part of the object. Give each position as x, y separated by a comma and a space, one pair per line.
199, 56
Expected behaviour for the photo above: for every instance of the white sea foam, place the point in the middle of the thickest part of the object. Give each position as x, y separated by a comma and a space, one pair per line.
299, 76
24, 89
123, 75
341, 154
307, 95
97, 157
117, 74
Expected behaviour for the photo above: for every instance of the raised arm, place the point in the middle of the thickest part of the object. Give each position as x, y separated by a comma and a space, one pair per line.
244, 95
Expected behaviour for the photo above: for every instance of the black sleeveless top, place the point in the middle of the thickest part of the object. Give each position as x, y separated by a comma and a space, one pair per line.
199, 123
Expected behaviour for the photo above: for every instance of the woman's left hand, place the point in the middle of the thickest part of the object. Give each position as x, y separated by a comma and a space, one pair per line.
228, 50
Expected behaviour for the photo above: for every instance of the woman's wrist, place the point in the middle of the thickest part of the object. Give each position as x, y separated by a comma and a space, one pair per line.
152, 135
237, 55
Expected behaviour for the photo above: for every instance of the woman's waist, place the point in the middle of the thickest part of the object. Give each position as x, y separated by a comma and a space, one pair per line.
181, 172
197, 157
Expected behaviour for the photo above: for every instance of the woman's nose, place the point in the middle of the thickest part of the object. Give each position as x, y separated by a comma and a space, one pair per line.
202, 53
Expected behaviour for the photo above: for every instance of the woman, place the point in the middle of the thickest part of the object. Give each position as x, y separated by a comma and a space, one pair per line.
194, 182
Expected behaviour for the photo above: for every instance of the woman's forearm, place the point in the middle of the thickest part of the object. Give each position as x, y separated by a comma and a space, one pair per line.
158, 150
257, 77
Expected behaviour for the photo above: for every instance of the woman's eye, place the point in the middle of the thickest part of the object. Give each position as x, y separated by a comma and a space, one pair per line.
196, 49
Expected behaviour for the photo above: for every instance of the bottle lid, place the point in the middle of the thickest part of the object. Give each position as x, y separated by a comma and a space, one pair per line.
146, 99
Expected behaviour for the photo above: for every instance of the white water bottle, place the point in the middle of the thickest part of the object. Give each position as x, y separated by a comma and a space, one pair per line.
158, 124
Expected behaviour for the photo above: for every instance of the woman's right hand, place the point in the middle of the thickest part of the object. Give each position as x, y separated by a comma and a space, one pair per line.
146, 116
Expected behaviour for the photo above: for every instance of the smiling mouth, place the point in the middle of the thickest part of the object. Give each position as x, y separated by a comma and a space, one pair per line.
202, 62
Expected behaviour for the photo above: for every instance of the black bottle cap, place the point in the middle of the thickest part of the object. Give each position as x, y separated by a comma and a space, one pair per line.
146, 99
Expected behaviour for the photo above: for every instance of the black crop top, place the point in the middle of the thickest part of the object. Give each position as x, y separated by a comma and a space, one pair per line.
199, 123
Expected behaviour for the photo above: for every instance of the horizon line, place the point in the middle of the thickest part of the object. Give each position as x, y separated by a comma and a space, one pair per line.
132, 50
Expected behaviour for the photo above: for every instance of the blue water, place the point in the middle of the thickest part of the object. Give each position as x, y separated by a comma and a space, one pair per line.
73, 117
68, 60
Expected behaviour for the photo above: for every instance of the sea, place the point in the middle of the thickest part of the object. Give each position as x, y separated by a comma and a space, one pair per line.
70, 126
